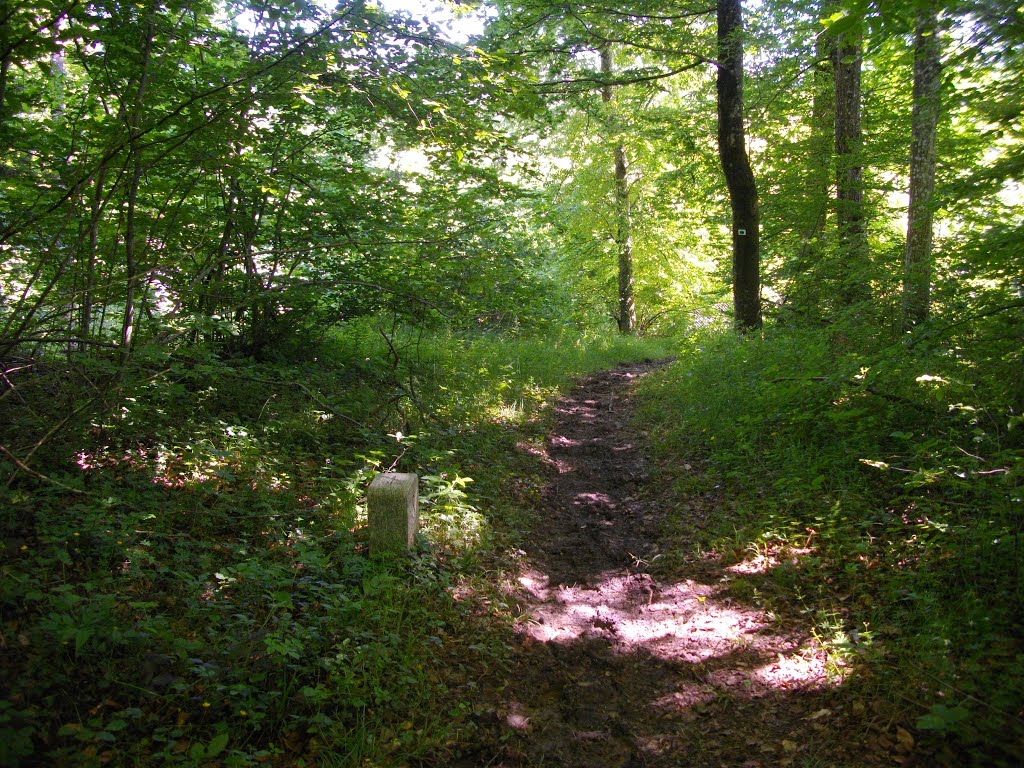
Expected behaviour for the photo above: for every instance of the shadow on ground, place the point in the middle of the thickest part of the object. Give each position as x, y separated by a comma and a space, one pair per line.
613, 667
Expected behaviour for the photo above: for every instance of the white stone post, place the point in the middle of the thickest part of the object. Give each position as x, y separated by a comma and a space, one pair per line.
392, 510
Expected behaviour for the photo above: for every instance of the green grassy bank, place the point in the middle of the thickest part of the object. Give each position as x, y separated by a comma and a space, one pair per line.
886, 487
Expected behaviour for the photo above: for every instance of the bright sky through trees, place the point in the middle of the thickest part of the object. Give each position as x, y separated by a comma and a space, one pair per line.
245, 246
459, 26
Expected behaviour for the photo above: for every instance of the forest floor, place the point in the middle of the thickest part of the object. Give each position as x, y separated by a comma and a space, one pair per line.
622, 662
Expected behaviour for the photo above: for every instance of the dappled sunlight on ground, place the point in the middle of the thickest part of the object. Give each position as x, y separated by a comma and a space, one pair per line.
678, 622
588, 585
619, 667
763, 562
626, 670
190, 466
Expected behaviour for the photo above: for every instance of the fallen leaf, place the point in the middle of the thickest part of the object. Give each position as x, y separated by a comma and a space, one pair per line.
904, 741
820, 713
294, 741
883, 743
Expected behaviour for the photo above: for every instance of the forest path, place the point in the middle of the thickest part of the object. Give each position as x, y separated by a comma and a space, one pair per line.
615, 668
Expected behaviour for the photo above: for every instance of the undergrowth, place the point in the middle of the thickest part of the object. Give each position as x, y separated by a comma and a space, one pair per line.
891, 479
184, 572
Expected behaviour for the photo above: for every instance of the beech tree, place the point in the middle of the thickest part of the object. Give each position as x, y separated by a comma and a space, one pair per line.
623, 228
917, 271
746, 224
170, 175
847, 59
818, 172
613, 124
252, 253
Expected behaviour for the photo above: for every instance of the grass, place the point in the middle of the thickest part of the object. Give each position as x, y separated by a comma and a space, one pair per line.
896, 479
185, 578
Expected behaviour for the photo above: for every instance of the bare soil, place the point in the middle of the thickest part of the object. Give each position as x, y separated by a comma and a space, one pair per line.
616, 668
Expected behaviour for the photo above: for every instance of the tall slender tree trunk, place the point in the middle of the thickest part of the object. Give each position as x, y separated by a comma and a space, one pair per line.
806, 292
623, 213
5, 62
917, 262
58, 80
130, 232
822, 132
89, 288
732, 149
853, 245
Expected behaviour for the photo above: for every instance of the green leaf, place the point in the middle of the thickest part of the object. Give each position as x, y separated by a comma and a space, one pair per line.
840, 23
942, 718
217, 744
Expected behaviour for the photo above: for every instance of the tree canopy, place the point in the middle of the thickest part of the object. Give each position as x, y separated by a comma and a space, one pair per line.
252, 253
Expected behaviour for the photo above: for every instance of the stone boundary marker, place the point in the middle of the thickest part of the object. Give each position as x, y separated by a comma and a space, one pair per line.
392, 511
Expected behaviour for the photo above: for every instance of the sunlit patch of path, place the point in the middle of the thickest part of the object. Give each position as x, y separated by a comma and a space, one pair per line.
614, 665
680, 622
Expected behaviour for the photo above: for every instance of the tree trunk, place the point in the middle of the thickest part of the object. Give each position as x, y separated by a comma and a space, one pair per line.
822, 129
805, 293
917, 264
88, 292
5, 61
623, 215
853, 245
746, 283
130, 233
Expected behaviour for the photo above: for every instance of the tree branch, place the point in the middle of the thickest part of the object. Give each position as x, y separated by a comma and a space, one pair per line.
29, 471
592, 81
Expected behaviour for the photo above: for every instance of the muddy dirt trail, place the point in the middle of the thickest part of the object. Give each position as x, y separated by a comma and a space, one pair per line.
614, 668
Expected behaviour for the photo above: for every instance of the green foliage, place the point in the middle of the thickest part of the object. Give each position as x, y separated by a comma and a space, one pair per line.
253, 255
660, 115
300, 167
671, 253
185, 576
897, 473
